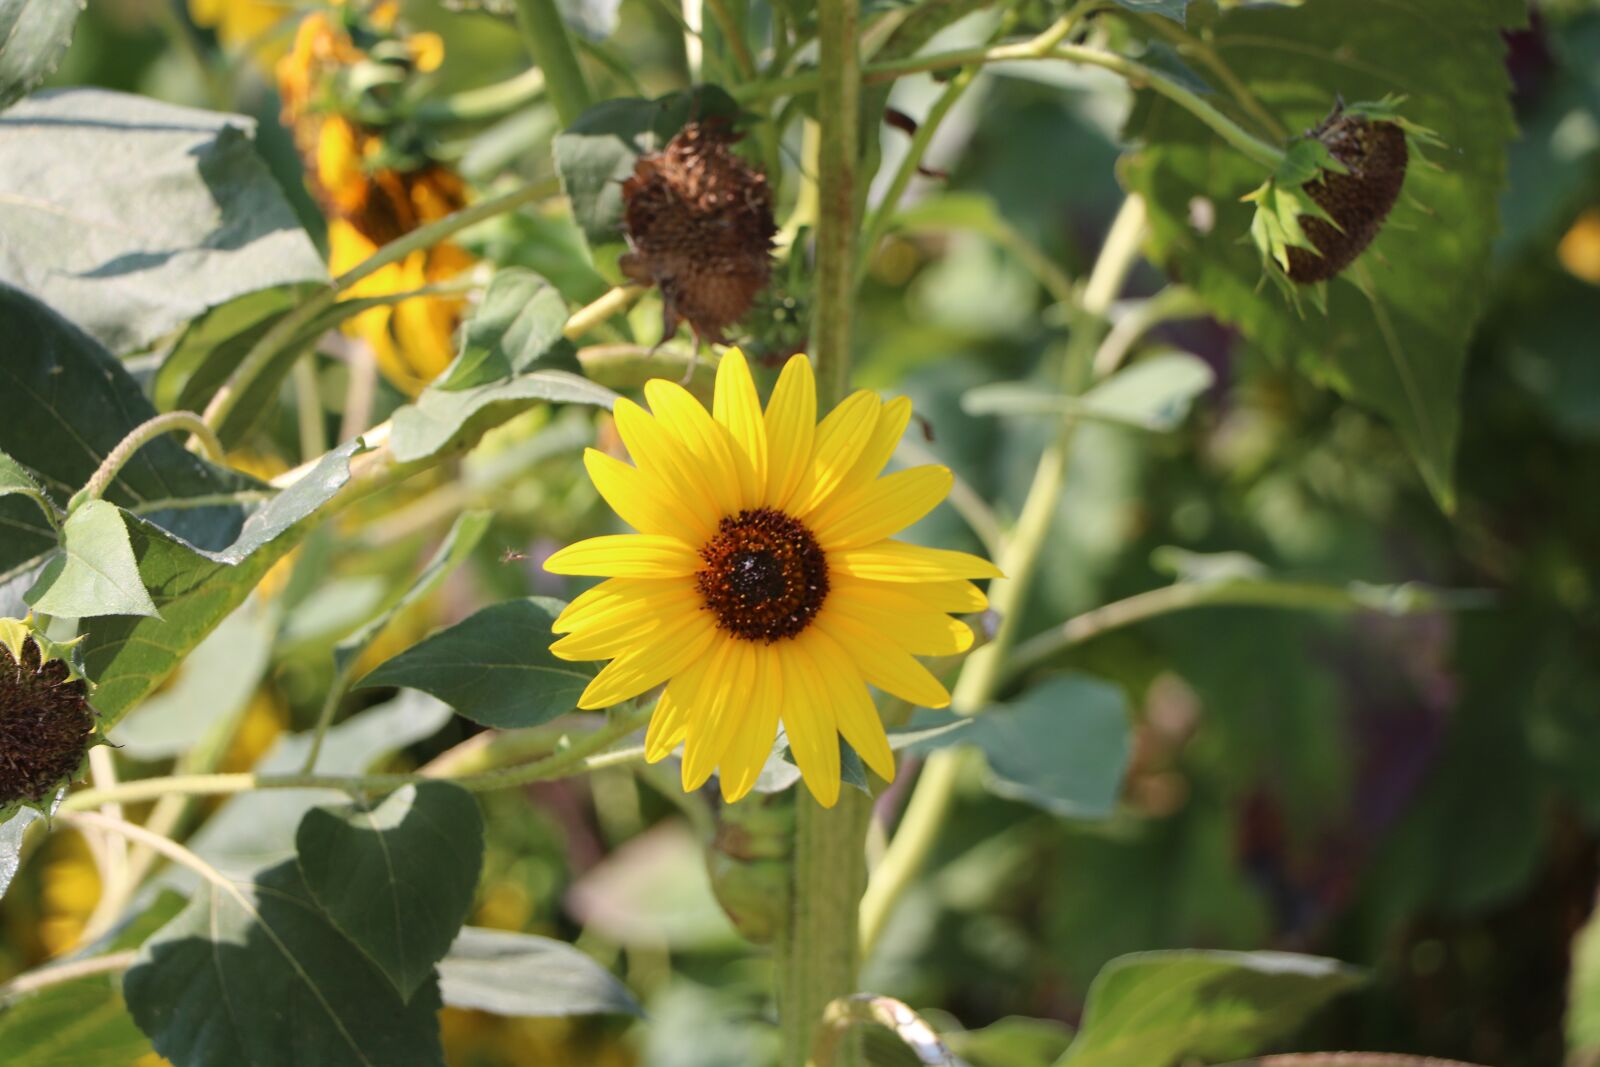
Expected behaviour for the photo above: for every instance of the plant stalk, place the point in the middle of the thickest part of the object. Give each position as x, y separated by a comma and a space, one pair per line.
550, 44
137, 438
817, 952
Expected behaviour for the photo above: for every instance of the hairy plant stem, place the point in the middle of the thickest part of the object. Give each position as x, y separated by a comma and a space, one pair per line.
817, 949
582, 755
138, 437
550, 44
287, 330
984, 671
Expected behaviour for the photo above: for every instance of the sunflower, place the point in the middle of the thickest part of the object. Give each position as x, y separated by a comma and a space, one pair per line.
763, 586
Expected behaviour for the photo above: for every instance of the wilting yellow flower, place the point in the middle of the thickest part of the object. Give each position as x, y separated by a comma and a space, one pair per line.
369, 203
762, 586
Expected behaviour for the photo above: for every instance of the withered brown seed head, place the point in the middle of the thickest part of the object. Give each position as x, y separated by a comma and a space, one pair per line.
46, 725
765, 576
1375, 154
699, 225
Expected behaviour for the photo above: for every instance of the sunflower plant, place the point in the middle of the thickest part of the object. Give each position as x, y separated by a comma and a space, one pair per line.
483, 408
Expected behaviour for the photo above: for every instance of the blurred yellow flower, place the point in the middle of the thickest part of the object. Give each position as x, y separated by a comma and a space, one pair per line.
1579, 250
373, 191
244, 24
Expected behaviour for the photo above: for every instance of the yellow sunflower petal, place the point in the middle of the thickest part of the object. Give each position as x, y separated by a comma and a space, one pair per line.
883, 507
853, 708
791, 421
883, 663
903, 621
642, 502
725, 703
669, 723
747, 756
892, 420
958, 597
703, 437
840, 439
897, 561
739, 409
621, 629
613, 598
626, 556
649, 664
808, 719
662, 457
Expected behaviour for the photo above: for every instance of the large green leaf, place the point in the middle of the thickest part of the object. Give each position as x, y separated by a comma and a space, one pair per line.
1061, 746
131, 250
494, 667
34, 35
525, 975
397, 878
1401, 353
253, 972
1153, 1009
1154, 394
65, 403
80, 1023
195, 589
443, 419
94, 573
517, 328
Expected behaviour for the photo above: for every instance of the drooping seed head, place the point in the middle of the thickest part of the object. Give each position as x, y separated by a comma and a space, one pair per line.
1374, 153
699, 225
46, 723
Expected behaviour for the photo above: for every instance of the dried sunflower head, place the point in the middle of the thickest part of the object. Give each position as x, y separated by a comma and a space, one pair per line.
699, 226
46, 723
1328, 200
1373, 153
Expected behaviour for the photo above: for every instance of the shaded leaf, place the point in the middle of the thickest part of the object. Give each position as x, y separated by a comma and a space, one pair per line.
34, 35
397, 878
1400, 353
95, 573
516, 329
1152, 1009
524, 975
1062, 746
195, 589
494, 667
80, 1023
443, 419
131, 252
16, 481
65, 403
1015, 1041
252, 972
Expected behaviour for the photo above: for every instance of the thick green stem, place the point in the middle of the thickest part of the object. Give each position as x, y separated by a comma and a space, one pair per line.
138, 437
817, 951
486, 102
550, 44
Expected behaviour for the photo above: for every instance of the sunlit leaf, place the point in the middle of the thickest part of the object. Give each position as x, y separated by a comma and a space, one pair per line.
444, 419
525, 975
79, 1023
95, 572
34, 35
517, 328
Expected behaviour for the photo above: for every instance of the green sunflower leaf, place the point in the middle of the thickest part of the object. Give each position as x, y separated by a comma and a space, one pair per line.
443, 419
528, 976
81, 1023
396, 878
94, 573
494, 667
34, 35
1401, 350
516, 329
1155, 1009
130, 253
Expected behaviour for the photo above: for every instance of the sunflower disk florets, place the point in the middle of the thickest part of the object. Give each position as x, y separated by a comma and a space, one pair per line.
46, 723
699, 225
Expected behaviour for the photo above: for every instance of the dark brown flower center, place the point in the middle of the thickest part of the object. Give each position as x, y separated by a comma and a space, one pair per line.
46, 725
765, 575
